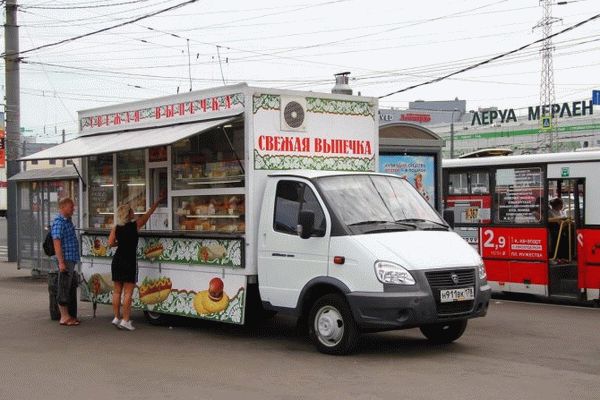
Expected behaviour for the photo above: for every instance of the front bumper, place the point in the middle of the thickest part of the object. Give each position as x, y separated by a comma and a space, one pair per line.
403, 307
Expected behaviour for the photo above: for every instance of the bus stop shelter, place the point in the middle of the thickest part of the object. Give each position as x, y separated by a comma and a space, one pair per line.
415, 153
38, 194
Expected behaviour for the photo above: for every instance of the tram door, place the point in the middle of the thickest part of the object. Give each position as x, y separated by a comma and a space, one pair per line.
565, 216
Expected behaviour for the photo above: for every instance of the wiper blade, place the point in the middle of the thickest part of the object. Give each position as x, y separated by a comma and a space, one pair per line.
423, 220
387, 229
369, 222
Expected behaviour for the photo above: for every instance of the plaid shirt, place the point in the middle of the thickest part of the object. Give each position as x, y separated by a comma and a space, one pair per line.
63, 229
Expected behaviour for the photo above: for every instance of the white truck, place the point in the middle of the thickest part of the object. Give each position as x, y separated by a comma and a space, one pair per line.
273, 204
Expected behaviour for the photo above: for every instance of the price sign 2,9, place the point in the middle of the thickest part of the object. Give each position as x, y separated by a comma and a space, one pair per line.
514, 243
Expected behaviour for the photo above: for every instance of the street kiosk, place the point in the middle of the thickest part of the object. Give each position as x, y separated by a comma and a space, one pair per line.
272, 199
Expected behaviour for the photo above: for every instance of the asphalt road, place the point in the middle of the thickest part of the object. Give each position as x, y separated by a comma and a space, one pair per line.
520, 351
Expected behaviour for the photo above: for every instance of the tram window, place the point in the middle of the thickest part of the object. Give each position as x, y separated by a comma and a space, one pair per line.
458, 183
518, 196
480, 183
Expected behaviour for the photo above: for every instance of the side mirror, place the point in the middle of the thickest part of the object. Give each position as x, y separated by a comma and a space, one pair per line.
306, 222
449, 217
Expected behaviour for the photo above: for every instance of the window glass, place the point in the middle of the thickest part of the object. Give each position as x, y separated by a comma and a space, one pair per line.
480, 183
214, 213
311, 203
358, 199
458, 183
518, 196
209, 160
293, 197
101, 190
131, 177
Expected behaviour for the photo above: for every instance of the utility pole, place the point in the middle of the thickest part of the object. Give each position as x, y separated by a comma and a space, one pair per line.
452, 133
64, 162
548, 129
13, 120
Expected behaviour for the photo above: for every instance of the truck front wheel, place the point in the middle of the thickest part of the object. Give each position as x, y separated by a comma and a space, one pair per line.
331, 326
444, 333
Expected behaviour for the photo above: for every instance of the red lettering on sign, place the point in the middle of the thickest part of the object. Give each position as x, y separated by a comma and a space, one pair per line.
136, 116
157, 113
228, 101
215, 104
203, 105
118, 119
170, 111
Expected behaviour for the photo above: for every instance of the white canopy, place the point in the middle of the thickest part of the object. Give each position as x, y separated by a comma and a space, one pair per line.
122, 141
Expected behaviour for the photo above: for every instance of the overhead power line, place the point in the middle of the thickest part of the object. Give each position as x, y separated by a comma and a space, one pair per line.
132, 21
492, 59
73, 7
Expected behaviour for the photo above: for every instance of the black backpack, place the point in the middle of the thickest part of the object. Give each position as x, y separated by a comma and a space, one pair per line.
49, 243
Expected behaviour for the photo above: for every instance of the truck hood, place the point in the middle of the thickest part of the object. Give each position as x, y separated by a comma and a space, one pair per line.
416, 250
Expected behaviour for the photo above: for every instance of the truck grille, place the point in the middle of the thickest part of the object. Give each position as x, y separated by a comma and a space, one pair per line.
443, 280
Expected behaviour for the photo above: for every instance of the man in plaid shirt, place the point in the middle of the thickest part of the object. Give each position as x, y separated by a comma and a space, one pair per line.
66, 248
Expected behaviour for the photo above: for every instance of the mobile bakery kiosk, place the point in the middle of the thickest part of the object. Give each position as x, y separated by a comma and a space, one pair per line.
272, 200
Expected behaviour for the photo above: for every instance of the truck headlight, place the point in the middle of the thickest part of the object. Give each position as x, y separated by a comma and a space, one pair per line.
394, 274
481, 270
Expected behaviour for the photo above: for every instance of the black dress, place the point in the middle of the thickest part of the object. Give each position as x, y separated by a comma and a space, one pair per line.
124, 263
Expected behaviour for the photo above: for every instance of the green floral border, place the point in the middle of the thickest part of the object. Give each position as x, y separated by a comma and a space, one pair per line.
216, 252
339, 107
181, 303
278, 163
266, 102
317, 105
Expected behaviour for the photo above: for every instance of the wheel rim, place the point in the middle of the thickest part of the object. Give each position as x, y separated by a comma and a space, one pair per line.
152, 315
329, 326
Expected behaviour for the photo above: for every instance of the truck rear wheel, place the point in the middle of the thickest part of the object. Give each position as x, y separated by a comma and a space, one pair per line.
444, 333
156, 318
331, 326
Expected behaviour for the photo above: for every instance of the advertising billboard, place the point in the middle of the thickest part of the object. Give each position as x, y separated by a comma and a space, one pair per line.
419, 170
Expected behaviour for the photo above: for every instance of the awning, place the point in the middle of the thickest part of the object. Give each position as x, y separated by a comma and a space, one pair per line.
123, 141
46, 174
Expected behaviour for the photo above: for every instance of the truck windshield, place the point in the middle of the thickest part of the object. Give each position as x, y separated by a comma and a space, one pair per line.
360, 200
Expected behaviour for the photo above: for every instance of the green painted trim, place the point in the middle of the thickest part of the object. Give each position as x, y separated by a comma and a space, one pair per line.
525, 132
185, 251
339, 107
318, 163
266, 102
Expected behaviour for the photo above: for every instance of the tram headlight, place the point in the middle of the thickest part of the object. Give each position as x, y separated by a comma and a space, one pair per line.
481, 271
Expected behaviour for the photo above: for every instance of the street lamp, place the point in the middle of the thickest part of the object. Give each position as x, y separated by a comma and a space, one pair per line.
452, 134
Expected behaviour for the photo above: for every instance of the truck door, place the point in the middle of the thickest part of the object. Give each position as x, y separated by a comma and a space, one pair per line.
286, 262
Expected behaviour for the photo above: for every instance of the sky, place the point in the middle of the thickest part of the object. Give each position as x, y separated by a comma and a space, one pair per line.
387, 45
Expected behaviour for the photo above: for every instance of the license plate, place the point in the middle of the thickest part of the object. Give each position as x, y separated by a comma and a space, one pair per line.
462, 294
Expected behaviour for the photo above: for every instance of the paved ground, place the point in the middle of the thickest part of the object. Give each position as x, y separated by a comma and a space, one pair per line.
520, 351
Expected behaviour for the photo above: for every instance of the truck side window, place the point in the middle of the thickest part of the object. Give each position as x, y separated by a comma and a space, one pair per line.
287, 206
312, 204
291, 198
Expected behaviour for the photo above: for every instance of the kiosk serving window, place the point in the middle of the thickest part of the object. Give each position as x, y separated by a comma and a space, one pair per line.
210, 213
213, 159
101, 191
131, 177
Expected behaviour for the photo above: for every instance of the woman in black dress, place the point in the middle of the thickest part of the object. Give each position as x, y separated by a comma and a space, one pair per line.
124, 236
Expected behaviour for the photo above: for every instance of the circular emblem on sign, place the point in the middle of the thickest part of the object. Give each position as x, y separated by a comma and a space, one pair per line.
454, 278
293, 114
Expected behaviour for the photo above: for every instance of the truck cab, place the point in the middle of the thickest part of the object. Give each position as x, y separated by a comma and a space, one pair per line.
362, 252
